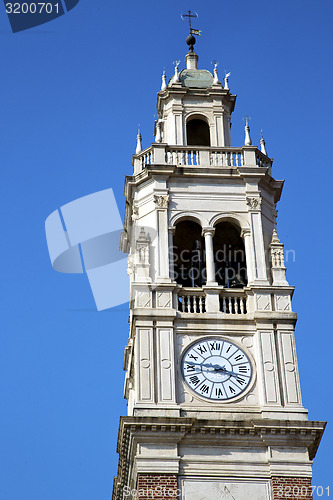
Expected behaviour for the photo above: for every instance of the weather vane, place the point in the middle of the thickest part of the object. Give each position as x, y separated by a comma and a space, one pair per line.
190, 17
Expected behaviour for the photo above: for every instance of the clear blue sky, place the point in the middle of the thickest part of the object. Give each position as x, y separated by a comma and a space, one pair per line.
72, 94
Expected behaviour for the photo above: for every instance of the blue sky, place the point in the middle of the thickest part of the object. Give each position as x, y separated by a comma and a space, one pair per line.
72, 94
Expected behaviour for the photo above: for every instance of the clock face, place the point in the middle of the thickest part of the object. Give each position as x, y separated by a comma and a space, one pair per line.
216, 369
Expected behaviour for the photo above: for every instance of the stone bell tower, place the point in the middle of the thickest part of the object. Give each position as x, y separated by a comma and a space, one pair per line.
212, 384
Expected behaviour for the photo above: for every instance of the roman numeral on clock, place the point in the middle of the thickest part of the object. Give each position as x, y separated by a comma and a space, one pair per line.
217, 370
239, 357
204, 389
194, 380
202, 349
190, 368
242, 369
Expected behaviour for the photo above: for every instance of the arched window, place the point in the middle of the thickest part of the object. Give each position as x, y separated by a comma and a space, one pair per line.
197, 132
229, 256
188, 253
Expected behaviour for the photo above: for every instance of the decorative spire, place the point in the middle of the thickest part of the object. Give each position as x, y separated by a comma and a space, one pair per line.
226, 86
176, 76
262, 144
138, 142
164, 84
275, 238
190, 40
248, 141
216, 76
277, 260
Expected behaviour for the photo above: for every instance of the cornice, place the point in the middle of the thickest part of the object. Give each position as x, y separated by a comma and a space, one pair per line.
183, 430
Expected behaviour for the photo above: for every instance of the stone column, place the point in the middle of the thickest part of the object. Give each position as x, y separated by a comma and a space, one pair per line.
257, 243
171, 232
208, 233
161, 202
246, 235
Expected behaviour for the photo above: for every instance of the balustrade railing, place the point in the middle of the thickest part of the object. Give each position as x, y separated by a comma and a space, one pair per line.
181, 156
263, 160
147, 157
201, 156
191, 301
215, 157
232, 302
226, 158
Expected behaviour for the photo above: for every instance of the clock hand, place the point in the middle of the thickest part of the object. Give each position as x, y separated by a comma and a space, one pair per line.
224, 370
217, 368
206, 365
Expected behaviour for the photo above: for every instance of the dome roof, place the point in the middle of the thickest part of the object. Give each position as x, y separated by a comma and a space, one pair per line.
195, 78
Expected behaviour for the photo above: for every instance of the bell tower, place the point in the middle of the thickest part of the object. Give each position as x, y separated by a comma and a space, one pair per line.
212, 384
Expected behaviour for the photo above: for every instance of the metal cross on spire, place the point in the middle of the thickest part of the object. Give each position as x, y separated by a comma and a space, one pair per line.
189, 15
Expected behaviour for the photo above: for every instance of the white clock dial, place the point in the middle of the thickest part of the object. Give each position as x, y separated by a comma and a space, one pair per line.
216, 369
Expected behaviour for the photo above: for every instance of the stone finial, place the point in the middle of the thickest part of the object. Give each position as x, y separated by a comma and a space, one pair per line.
216, 76
248, 141
277, 260
138, 142
164, 84
262, 144
176, 75
275, 238
158, 135
226, 85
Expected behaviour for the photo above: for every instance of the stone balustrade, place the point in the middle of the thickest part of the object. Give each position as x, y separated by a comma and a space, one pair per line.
203, 156
191, 301
146, 157
226, 157
182, 156
233, 301
263, 160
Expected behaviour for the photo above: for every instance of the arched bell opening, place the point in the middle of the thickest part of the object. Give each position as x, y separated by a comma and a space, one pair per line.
188, 255
229, 256
197, 133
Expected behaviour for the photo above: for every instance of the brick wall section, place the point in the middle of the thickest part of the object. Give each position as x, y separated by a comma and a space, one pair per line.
157, 486
293, 488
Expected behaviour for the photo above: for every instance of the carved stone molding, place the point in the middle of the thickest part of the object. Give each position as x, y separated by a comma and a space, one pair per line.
275, 215
161, 201
135, 213
277, 258
263, 301
245, 232
142, 247
208, 230
254, 203
282, 303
